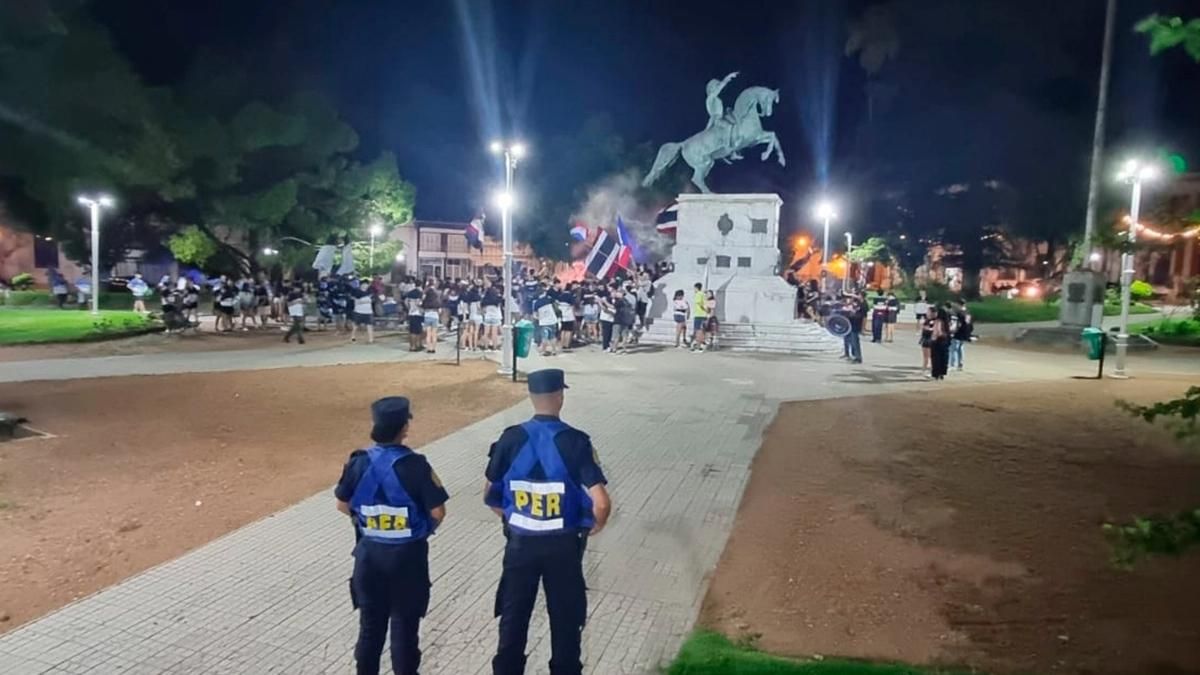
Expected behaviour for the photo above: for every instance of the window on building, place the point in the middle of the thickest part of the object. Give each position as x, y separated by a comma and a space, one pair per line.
45, 252
743, 262
723, 261
431, 241
758, 225
701, 261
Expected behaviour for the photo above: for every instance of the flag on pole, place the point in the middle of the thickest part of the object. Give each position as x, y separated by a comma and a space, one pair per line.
579, 232
474, 232
668, 219
347, 266
629, 250
601, 261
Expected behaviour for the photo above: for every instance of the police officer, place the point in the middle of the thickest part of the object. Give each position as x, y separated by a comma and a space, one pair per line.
545, 482
396, 502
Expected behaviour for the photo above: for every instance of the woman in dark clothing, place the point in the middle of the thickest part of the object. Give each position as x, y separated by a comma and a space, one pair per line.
926, 325
940, 347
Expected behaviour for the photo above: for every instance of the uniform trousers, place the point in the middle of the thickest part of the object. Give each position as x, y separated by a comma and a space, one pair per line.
557, 562
390, 586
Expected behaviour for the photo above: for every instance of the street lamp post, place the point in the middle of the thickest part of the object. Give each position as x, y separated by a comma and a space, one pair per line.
512, 153
825, 212
1134, 173
849, 248
94, 204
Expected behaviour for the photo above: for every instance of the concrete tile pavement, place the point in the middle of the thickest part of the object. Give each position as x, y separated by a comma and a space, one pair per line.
676, 433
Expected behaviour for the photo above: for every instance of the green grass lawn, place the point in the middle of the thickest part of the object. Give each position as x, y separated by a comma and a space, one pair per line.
33, 326
707, 653
1185, 332
1003, 310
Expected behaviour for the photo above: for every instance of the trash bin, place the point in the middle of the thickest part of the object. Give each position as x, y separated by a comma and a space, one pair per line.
524, 329
1093, 340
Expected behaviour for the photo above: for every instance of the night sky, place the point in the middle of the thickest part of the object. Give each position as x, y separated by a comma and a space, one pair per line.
434, 81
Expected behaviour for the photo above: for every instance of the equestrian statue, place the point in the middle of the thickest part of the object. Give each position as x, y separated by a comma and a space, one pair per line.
728, 132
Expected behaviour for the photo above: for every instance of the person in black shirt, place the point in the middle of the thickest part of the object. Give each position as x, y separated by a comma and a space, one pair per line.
961, 328
392, 525
544, 481
893, 313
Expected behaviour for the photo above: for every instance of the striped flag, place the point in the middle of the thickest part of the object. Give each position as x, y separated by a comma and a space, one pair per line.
602, 259
474, 233
668, 219
579, 232
629, 251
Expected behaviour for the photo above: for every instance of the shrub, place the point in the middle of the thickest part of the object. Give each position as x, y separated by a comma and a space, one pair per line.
1141, 290
935, 292
22, 282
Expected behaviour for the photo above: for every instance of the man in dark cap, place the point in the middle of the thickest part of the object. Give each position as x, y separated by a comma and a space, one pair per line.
544, 481
396, 501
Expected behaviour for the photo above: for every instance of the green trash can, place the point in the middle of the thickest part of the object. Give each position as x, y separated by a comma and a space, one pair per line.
524, 339
1093, 340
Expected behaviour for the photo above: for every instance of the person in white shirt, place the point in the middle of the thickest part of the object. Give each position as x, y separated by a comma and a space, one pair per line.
566, 307
547, 320
364, 311
921, 308
295, 307
680, 309
140, 289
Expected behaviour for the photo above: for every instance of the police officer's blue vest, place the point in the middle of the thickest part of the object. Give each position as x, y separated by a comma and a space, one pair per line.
382, 509
546, 506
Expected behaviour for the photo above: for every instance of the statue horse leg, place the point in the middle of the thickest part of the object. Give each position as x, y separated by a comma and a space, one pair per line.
772, 142
700, 172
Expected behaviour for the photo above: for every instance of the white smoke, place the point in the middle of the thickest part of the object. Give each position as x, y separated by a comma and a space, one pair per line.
617, 195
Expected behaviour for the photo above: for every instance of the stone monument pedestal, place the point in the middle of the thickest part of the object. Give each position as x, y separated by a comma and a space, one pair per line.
729, 243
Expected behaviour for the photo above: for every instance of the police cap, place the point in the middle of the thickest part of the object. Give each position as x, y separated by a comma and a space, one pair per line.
388, 416
547, 381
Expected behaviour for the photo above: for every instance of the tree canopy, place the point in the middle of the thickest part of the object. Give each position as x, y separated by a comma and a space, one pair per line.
207, 154
1170, 32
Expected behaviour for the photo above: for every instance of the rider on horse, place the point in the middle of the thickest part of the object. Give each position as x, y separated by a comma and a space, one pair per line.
717, 111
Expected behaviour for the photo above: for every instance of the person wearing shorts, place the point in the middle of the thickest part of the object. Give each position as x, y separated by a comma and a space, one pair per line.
364, 310
547, 320
566, 308
699, 317
492, 317
416, 318
474, 323
679, 311
226, 302
431, 306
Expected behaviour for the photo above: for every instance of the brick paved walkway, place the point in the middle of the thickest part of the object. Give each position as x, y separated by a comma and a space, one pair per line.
676, 434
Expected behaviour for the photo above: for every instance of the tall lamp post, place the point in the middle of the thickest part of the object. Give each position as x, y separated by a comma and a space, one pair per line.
849, 248
94, 204
1133, 173
376, 230
512, 153
825, 212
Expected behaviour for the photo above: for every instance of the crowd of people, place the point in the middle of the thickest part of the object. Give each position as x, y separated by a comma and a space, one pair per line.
610, 314
944, 329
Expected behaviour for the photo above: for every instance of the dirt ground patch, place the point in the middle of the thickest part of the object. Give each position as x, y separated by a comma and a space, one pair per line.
962, 526
74, 509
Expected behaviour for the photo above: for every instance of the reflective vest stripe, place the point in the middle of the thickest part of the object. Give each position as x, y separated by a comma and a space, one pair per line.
538, 488
526, 523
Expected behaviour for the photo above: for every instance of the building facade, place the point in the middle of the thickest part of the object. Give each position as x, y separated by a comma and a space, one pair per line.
439, 249
26, 253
